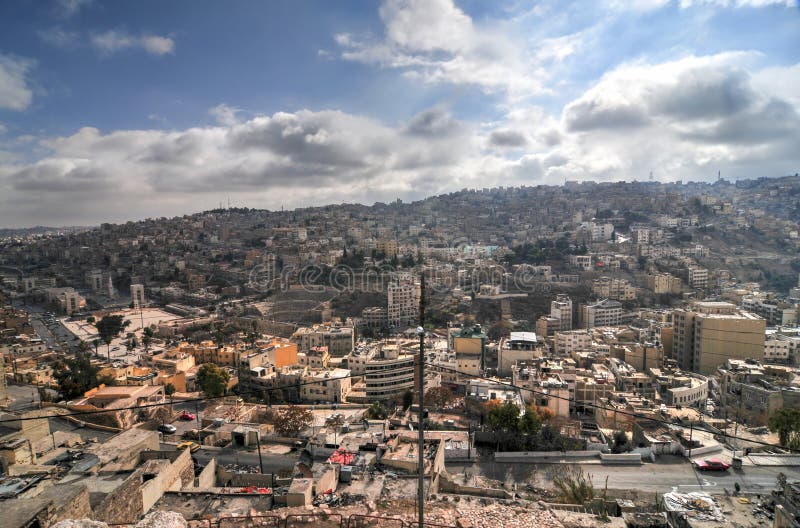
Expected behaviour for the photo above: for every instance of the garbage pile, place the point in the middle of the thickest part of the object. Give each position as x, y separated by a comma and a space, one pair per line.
697, 505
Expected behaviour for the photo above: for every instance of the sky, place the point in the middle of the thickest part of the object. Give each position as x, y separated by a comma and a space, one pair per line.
116, 111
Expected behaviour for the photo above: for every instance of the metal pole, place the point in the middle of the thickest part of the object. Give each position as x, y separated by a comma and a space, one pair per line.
421, 403
258, 443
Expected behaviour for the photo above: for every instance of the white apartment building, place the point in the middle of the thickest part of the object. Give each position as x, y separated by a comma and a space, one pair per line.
568, 342
583, 262
403, 301
561, 309
602, 232
698, 277
604, 313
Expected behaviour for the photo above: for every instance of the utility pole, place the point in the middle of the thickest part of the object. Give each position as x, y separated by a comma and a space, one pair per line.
421, 395
258, 444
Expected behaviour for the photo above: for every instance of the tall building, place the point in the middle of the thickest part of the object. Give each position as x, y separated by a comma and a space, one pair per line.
403, 301
707, 334
603, 313
469, 345
561, 309
389, 375
137, 295
698, 277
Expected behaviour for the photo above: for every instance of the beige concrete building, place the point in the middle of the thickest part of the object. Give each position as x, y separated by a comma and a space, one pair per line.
707, 334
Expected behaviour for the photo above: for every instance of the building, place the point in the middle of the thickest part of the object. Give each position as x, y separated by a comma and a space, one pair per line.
137, 296
603, 313
709, 333
375, 317
565, 343
520, 346
561, 309
338, 339
403, 295
325, 386
547, 326
751, 392
777, 313
619, 289
469, 346
664, 283
698, 277
389, 375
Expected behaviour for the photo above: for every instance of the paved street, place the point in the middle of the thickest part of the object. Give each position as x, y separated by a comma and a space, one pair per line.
653, 477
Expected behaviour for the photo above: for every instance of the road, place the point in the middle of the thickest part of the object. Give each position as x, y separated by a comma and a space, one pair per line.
659, 477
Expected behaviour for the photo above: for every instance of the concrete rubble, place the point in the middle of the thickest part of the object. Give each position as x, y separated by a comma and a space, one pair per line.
156, 519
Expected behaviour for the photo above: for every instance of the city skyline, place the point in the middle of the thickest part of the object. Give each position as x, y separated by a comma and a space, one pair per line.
114, 112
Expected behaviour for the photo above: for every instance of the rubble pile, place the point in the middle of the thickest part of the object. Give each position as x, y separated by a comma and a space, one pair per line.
492, 516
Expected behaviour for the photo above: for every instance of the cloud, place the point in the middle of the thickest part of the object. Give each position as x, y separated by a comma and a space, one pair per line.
648, 5
72, 7
15, 92
437, 42
507, 138
59, 37
684, 91
114, 41
224, 114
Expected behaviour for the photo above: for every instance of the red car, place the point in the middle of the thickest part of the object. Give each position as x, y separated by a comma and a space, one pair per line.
711, 464
186, 416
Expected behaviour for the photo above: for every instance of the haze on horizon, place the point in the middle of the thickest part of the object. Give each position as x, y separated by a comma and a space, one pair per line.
117, 111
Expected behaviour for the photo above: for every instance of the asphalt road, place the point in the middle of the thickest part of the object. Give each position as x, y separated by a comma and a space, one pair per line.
659, 477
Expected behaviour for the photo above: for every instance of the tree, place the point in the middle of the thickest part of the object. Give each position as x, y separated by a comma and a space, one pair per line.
212, 380
504, 417
289, 421
108, 328
147, 338
408, 399
530, 422
377, 411
76, 376
438, 397
620, 442
786, 422
169, 389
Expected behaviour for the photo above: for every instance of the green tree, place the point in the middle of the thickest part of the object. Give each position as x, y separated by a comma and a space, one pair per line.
620, 442
147, 338
212, 380
169, 389
530, 422
377, 411
290, 421
408, 399
76, 376
786, 422
504, 417
108, 328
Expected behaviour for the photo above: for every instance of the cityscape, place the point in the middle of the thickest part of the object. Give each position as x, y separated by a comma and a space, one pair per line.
487, 291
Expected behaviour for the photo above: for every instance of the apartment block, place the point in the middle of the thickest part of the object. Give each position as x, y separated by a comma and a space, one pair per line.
707, 334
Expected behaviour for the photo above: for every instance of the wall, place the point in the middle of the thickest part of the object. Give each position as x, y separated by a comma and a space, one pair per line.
124, 504
208, 477
533, 457
445, 485
178, 474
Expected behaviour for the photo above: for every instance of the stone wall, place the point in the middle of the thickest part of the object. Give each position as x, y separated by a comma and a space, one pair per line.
124, 504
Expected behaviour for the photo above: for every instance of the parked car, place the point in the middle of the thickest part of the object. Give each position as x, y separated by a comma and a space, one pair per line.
167, 429
711, 464
186, 416
191, 446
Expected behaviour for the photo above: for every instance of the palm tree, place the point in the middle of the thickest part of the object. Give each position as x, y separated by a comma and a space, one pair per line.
96, 343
